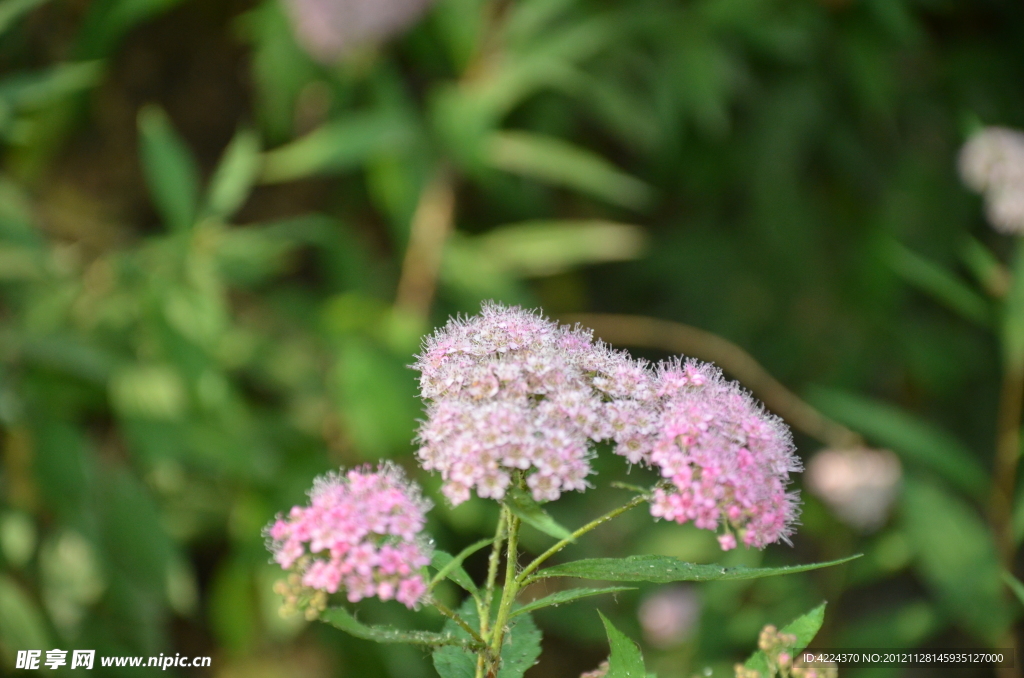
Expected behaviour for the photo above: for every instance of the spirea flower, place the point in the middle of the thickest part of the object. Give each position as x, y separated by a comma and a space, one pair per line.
327, 29
360, 533
727, 461
509, 390
992, 163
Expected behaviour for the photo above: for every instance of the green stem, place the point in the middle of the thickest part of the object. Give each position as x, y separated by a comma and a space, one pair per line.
492, 573
509, 593
524, 580
454, 616
1007, 455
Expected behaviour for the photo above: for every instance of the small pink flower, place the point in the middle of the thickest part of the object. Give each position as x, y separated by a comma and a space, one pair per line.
727, 459
361, 532
509, 390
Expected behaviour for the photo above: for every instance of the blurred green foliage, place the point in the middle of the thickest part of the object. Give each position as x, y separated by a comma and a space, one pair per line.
192, 327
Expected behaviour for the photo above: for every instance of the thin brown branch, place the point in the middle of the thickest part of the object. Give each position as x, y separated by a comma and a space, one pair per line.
1004, 475
645, 332
431, 225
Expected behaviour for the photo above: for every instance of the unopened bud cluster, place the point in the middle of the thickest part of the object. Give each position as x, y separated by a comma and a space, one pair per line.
300, 598
778, 649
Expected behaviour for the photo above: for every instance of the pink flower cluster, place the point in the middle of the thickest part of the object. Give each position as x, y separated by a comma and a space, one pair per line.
509, 390
359, 533
727, 459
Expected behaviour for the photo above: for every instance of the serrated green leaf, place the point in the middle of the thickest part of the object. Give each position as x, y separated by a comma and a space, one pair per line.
518, 653
561, 163
624, 659
451, 567
568, 596
916, 441
937, 282
337, 146
664, 569
235, 175
170, 170
804, 627
522, 505
340, 618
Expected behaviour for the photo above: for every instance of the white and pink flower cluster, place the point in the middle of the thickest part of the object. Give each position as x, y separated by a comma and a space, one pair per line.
509, 390
360, 533
727, 459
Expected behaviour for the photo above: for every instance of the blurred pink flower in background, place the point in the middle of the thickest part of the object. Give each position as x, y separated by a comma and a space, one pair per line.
328, 29
992, 163
859, 484
669, 616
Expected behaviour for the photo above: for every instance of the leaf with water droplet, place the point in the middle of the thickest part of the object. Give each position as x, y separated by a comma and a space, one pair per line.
625, 660
556, 599
340, 618
664, 569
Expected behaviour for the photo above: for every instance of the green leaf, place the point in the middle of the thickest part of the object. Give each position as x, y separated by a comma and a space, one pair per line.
107, 22
33, 90
170, 170
625, 659
12, 10
560, 163
804, 627
519, 651
901, 625
540, 248
336, 147
278, 67
664, 569
956, 557
987, 269
567, 597
21, 622
1013, 315
233, 180
936, 281
917, 442
340, 618
451, 567
522, 505
21, 263
1015, 585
